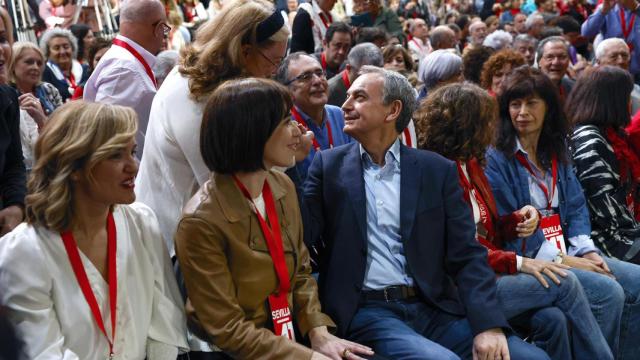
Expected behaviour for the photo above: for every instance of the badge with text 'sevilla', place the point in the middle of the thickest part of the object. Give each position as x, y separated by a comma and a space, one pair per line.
281, 315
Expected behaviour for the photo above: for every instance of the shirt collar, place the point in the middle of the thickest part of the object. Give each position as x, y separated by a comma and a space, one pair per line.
519, 148
146, 55
308, 119
392, 155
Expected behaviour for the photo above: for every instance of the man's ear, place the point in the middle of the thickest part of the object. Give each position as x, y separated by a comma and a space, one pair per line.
325, 44
394, 111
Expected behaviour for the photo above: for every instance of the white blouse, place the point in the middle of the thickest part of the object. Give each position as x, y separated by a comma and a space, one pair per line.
44, 301
172, 168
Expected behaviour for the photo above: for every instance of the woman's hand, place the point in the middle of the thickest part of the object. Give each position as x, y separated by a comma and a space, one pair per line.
530, 223
539, 267
598, 260
585, 264
335, 348
306, 141
32, 106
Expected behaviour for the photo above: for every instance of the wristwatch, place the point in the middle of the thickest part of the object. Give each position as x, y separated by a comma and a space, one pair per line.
559, 257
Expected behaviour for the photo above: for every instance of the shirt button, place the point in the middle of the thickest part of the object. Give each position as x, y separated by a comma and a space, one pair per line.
377, 177
380, 202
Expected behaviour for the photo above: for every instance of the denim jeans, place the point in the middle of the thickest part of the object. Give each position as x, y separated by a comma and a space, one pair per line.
559, 305
615, 303
413, 330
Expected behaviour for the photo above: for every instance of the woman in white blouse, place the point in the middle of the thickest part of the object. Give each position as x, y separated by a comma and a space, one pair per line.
88, 276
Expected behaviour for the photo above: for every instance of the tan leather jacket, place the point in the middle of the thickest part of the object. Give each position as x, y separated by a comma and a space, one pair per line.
229, 273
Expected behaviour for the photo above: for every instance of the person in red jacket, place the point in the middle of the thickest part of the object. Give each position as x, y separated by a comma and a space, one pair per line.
456, 121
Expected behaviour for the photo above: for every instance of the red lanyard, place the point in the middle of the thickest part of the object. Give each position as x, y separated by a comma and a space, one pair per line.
345, 79
543, 187
83, 281
137, 55
272, 234
316, 145
326, 19
626, 31
323, 61
483, 208
72, 81
407, 137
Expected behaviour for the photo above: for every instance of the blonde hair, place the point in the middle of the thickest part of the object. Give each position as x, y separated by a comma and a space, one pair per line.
18, 49
216, 54
78, 137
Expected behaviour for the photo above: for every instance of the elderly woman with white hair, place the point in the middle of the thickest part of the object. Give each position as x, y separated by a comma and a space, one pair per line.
498, 40
439, 68
62, 69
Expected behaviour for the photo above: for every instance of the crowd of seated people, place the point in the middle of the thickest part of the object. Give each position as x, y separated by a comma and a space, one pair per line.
320, 179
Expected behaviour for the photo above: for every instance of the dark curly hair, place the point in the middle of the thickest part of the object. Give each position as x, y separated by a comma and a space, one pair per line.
457, 121
522, 83
496, 62
472, 62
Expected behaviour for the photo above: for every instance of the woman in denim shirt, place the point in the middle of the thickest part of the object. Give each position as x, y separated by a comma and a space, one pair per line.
532, 134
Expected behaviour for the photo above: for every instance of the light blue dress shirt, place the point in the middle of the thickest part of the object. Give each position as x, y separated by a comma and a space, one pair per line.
386, 261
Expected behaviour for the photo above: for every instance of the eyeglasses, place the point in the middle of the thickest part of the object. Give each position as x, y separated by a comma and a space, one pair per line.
268, 59
166, 29
307, 76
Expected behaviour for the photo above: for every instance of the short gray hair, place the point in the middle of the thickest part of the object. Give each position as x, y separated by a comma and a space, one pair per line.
395, 87
365, 54
528, 24
525, 38
498, 40
550, 39
165, 61
603, 46
282, 74
54, 33
438, 66
138, 10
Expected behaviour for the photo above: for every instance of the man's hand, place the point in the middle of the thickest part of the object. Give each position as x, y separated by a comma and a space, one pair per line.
585, 263
530, 223
490, 345
306, 141
539, 267
10, 217
598, 260
335, 348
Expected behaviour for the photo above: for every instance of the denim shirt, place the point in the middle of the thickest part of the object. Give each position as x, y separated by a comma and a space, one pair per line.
334, 116
510, 183
386, 261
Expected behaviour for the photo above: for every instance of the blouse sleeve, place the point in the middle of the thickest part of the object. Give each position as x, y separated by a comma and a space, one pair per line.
212, 294
26, 291
168, 327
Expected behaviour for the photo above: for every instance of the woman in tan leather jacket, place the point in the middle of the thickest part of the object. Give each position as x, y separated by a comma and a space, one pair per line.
239, 241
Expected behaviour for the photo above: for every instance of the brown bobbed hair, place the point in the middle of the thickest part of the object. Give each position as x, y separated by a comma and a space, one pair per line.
496, 62
600, 97
390, 51
238, 119
522, 83
78, 136
457, 121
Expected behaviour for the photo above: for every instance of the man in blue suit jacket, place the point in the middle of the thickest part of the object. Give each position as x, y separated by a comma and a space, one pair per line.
402, 271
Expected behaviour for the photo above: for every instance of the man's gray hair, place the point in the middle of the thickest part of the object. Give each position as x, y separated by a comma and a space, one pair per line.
550, 39
604, 45
364, 54
438, 66
413, 23
498, 40
395, 87
54, 33
165, 61
282, 74
528, 24
525, 38
138, 10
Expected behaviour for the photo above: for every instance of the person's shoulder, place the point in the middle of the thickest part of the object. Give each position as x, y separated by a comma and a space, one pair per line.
428, 157
333, 110
23, 245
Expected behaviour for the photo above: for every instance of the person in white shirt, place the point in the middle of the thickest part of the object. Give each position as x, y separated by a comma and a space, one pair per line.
124, 75
88, 276
419, 45
172, 169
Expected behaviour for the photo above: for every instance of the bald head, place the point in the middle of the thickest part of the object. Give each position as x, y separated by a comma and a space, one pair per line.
140, 10
442, 37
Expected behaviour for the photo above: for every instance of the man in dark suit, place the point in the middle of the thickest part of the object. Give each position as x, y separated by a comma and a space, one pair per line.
402, 271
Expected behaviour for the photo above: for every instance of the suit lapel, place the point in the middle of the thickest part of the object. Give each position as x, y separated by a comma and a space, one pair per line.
353, 180
410, 178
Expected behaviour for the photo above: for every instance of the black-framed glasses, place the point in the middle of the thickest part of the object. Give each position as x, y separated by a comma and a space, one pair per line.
307, 76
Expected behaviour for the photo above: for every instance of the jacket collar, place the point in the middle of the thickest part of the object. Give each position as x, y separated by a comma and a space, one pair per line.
232, 202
